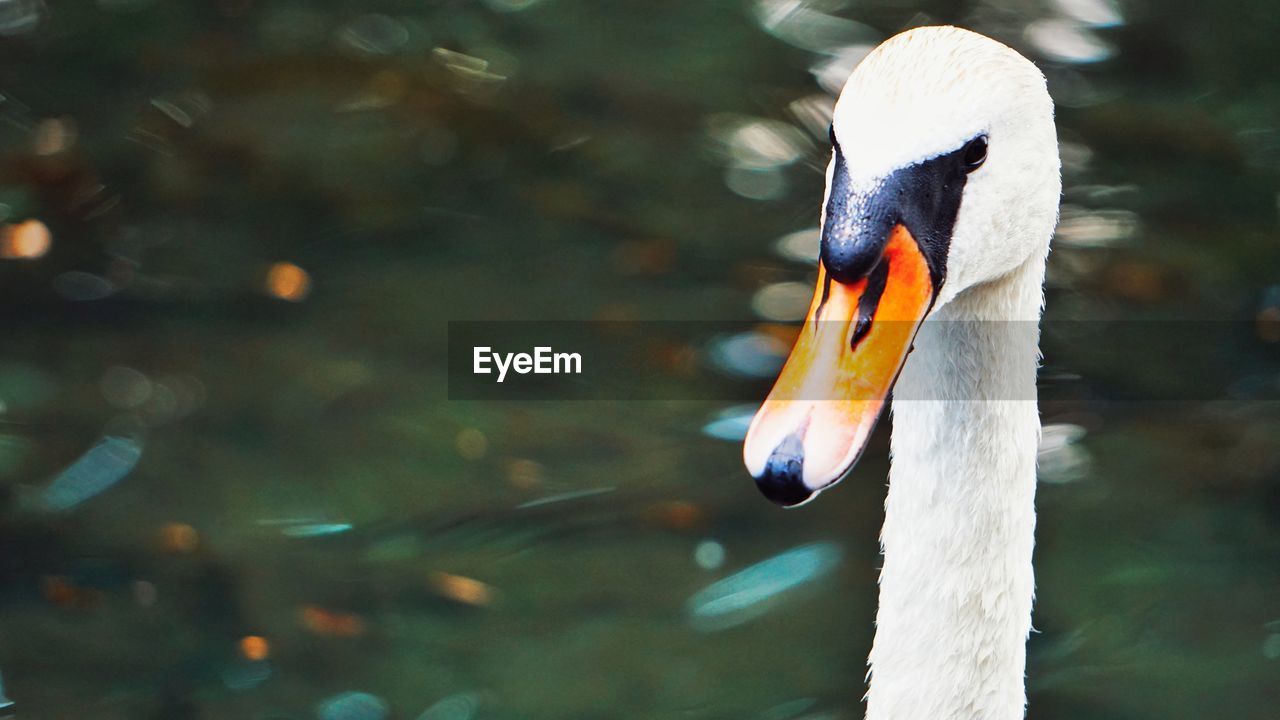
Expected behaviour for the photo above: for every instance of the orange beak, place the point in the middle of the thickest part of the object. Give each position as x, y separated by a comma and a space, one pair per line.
820, 414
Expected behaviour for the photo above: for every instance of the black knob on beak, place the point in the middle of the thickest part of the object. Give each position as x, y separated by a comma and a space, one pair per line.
855, 228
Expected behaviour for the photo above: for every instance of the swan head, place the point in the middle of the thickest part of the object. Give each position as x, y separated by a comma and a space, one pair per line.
944, 176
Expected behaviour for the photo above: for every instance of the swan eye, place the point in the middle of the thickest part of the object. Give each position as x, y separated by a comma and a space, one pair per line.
975, 153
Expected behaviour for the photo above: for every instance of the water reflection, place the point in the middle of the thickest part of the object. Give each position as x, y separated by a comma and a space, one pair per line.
756, 151
709, 555
749, 354
1097, 13
757, 144
782, 302
756, 183
303, 529
246, 676
731, 423
755, 590
184, 110
1268, 317
125, 387
1080, 227
20, 16
830, 73
1067, 41
102, 466
256, 219
462, 706
1061, 458
1271, 645
800, 246
810, 24
374, 34
352, 706
564, 497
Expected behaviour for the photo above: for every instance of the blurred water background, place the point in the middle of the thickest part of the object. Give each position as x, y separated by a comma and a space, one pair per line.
232, 485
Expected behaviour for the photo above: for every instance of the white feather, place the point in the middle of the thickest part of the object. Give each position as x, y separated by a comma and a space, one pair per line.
957, 583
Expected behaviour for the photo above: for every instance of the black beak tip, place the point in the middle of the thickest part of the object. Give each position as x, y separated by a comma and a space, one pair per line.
783, 480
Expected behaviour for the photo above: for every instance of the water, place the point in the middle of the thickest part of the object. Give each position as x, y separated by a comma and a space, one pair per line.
255, 220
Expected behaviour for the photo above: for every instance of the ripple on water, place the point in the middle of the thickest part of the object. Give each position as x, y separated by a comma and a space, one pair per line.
102, 466
731, 423
709, 555
751, 592
747, 354
20, 16
783, 301
310, 530
1097, 13
800, 246
5, 702
1059, 459
1067, 41
352, 706
461, 706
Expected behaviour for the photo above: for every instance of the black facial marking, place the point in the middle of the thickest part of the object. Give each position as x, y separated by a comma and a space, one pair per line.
869, 301
924, 197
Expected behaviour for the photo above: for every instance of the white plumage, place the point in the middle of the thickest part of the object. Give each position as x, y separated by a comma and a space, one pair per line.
957, 583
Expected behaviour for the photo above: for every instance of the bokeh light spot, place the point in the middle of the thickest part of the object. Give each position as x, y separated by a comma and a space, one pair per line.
288, 282
458, 588
181, 538
254, 648
26, 240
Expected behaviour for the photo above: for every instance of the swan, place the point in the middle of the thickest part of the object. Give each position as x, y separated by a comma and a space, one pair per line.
941, 197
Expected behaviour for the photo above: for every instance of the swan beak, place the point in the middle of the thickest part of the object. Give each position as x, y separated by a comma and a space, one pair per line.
856, 337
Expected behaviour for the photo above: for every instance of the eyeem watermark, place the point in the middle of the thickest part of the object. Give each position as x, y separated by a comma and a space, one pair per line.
1085, 361
543, 361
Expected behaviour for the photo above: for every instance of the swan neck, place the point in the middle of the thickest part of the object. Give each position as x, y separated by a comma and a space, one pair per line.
956, 585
